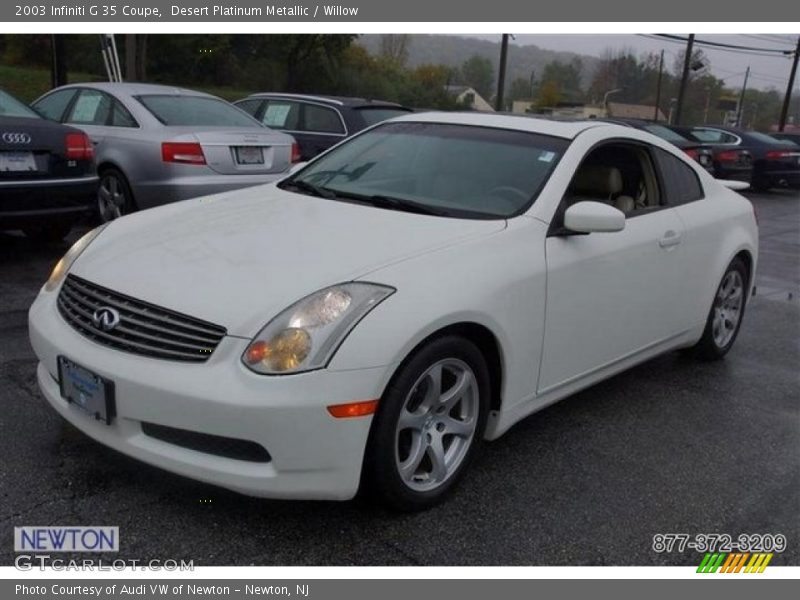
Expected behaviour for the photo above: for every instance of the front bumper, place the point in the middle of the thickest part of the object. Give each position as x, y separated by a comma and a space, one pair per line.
313, 455
155, 193
33, 200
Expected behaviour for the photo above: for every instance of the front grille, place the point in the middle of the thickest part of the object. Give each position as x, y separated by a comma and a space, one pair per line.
142, 329
208, 443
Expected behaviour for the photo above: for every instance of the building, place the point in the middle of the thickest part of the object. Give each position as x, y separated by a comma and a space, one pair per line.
468, 97
634, 111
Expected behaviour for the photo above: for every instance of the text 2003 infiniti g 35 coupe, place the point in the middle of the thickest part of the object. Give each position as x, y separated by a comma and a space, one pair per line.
371, 318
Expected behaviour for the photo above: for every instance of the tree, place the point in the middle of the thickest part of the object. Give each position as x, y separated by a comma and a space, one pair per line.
521, 89
549, 94
394, 47
478, 73
566, 76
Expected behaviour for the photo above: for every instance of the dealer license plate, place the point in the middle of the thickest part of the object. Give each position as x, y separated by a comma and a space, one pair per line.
87, 391
249, 155
17, 161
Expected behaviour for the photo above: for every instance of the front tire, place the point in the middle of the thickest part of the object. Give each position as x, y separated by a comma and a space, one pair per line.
429, 422
725, 316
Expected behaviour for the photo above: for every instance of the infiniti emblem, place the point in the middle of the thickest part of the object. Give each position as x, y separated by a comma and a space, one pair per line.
105, 318
13, 137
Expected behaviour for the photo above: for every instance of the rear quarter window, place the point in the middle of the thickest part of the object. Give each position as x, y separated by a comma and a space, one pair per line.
681, 183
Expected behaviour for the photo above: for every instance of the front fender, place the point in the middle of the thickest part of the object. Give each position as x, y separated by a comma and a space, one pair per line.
497, 282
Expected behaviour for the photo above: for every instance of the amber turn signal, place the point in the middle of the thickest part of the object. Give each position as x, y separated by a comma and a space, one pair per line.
353, 409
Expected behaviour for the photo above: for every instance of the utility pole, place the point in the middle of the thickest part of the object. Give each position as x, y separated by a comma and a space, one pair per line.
687, 61
58, 68
501, 75
787, 100
658, 86
740, 105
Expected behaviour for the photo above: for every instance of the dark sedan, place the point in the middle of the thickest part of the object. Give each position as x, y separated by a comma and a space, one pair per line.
792, 136
696, 151
318, 122
776, 163
47, 173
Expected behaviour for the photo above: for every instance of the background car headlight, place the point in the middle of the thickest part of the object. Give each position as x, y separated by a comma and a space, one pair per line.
307, 334
62, 266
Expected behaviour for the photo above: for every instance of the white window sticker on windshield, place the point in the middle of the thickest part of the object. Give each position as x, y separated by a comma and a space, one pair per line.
276, 115
86, 108
547, 156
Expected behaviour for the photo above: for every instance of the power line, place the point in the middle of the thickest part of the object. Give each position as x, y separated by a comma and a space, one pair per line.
677, 41
721, 47
729, 46
763, 38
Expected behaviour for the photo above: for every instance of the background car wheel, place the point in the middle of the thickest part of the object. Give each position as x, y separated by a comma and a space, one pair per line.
725, 317
114, 196
429, 422
48, 231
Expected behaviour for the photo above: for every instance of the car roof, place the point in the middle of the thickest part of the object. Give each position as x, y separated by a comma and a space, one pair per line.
135, 89
568, 129
348, 101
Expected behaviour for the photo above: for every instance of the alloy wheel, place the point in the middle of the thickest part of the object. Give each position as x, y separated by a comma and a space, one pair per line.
436, 425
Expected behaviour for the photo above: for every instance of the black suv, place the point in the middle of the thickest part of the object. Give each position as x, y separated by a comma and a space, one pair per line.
318, 122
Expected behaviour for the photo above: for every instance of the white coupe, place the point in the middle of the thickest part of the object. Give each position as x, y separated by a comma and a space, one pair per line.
369, 320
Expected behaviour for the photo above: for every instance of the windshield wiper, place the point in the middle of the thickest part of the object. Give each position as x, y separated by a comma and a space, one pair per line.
309, 188
394, 203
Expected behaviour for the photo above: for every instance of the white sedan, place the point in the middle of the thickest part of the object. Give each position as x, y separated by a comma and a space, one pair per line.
368, 321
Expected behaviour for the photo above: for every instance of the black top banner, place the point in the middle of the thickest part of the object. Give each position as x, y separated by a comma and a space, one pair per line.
467, 11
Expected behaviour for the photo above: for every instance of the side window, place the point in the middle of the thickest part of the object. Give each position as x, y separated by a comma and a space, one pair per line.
714, 136
91, 108
319, 119
618, 174
249, 106
681, 183
281, 114
120, 117
54, 105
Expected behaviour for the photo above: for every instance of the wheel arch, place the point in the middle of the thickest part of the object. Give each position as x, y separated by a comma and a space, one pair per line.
485, 340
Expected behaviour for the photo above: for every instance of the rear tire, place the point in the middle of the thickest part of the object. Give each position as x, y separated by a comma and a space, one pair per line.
48, 232
429, 423
725, 317
114, 195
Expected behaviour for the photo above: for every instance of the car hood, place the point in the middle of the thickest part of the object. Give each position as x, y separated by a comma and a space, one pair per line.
238, 259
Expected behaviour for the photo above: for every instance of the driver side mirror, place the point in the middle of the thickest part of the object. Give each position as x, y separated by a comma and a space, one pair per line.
593, 217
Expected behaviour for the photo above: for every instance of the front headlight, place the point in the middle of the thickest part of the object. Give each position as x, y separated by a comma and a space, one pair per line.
62, 266
307, 334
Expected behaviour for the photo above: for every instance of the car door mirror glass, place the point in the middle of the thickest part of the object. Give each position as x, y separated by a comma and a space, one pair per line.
593, 217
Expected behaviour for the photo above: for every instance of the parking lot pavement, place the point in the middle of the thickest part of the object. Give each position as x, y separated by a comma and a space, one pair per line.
671, 446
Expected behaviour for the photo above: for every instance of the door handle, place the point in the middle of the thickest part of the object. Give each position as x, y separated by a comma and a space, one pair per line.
671, 238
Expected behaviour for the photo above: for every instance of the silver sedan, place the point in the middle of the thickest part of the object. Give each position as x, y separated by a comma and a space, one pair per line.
157, 144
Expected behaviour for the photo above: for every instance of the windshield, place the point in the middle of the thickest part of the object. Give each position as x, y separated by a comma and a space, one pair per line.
189, 111
11, 107
454, 170
372, 116
665, 133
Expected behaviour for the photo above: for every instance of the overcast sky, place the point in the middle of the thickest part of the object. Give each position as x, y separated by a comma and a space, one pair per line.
765, 71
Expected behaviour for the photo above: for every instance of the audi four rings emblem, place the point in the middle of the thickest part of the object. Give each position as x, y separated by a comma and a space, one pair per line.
13, 137
105, 318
